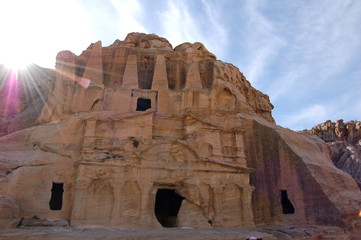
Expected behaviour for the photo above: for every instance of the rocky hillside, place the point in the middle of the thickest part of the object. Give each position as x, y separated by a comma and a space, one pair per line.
344, 142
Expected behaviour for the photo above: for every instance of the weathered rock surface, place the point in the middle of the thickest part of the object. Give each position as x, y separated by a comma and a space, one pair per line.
344, 143
139, 134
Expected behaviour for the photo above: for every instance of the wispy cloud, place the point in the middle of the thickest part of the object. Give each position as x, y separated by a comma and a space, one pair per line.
129, 15
344, 106
323, 42
262, 41
309, 115
283, 85
180, 24
321, 37
218, 37
326, 35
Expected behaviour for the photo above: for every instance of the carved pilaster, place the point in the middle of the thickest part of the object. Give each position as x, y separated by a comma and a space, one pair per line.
247, 214
160, 79
130, 77
193, 79
94, 66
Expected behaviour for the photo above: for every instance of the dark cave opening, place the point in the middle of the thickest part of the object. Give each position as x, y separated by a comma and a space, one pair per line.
143, 104
287, 206
167, 205
56, 200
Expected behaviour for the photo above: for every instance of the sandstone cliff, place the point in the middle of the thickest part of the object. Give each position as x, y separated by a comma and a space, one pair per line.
344, 143
140, 134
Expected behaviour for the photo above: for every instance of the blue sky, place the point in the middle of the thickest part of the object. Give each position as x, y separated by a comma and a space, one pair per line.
304, 54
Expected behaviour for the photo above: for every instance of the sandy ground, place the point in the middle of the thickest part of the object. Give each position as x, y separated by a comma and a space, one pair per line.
94, 233
101, 233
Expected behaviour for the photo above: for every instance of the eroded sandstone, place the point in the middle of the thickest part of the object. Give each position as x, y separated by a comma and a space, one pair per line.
344, 143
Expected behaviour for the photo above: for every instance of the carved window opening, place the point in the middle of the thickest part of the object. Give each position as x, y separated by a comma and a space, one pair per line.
56, 200
287, 206
143, 104
167, 205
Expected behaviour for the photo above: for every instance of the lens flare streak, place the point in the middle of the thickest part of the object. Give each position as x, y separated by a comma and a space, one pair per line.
84, 82
11, 97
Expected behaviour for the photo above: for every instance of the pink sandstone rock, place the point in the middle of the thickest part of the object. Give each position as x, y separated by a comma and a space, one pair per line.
344, 143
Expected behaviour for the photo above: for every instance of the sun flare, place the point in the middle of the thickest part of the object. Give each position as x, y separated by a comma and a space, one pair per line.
16, 63
35, 31
16, 66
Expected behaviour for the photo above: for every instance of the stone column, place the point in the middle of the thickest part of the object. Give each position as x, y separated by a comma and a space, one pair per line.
90, 127
217, 197
147, 218
247, 214
81, 189
115, 218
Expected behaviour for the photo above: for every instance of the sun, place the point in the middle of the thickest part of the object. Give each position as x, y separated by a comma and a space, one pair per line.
15, 63
17, 82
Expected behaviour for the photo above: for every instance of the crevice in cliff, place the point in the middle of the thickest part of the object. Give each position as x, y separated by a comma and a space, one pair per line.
96, 102
48, 149
18, 167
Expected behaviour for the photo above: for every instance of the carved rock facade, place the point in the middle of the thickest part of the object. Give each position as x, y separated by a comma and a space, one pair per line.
166, 137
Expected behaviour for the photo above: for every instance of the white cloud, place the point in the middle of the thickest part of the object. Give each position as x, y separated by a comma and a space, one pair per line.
218, 36
306, 117
357, 116
180, 24
313, 50
129, 16
286, 83
326, 37
320, 37
262, 41
346, 106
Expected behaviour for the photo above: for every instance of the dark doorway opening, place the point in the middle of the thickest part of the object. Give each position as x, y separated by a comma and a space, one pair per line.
167, 205
143, 104
56, 200
287, 206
